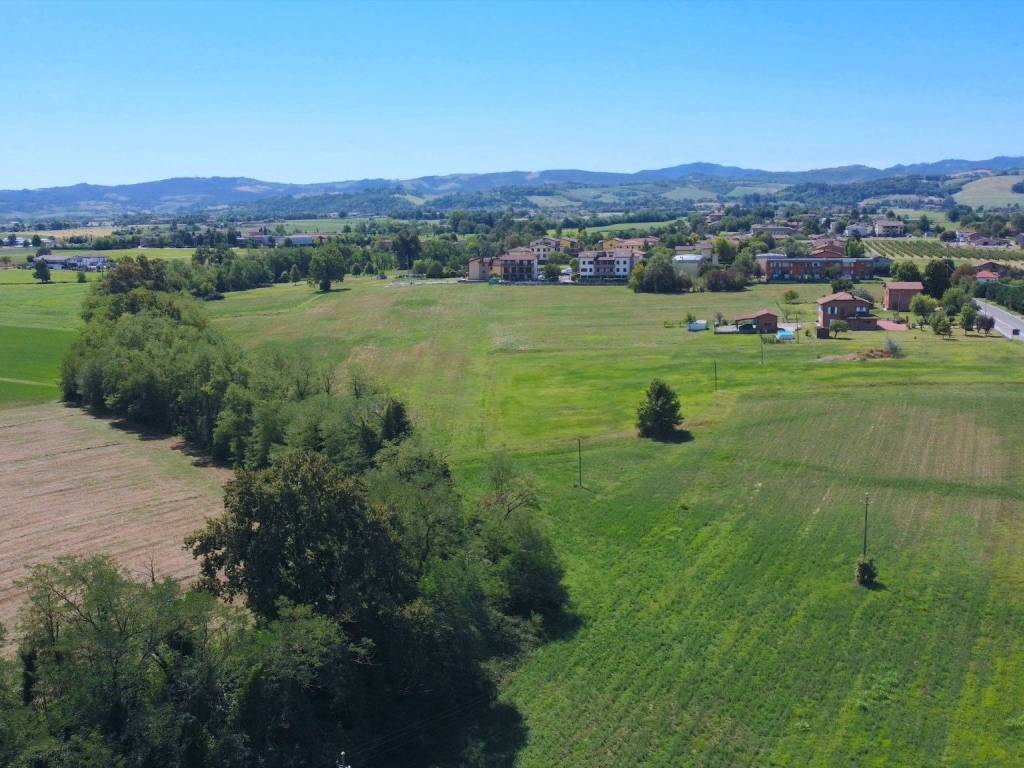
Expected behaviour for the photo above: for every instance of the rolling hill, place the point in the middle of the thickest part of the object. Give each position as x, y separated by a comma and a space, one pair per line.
205, 193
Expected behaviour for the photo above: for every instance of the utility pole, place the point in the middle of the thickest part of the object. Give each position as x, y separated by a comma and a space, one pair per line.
715, 363
865, 526
762, 349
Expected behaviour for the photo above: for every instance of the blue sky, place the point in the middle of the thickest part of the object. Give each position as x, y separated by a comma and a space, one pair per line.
124, 92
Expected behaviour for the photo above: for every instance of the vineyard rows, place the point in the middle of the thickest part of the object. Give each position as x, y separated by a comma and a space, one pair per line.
933, 249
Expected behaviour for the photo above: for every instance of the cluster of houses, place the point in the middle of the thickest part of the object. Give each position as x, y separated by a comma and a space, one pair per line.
254, 238
614, 261
81, 262
974, 239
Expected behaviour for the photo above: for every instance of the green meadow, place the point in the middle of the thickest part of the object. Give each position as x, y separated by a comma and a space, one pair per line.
712, 578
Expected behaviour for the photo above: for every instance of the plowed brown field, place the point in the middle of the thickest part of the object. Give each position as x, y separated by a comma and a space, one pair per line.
74, 484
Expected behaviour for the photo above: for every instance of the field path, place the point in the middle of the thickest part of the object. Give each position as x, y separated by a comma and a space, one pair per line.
74, 484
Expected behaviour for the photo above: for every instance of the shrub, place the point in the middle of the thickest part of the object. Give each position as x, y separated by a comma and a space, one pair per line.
941, 325
80, 278
866, 572
658, 414
985, 323
791, 296
892, 348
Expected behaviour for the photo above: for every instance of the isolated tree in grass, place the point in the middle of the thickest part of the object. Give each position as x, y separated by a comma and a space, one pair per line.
659, 414
325, 267
985, 323
866, 572
791, 296
294, 275
80, 277
837, 327
41, 272
968, 317
941, 325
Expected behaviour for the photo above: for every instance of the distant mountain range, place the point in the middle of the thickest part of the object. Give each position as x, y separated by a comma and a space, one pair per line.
198, 194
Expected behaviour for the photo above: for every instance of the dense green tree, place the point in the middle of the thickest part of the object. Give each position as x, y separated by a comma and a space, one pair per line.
657, 275
407, 247
326, 266
41, 271
923, 306
906, 271
659, 415
855, 248
968, 317
936, 278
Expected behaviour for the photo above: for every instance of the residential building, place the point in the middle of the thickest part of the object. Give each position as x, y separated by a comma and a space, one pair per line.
483, 269
629, 243
889, 228
845, 306
859, 229
775, 230
543, 247
688, 263
300, 238
615, 264
779, 267
569, 245
828, 249
518, 265
898, 295
992, 266
987, 276
762, 321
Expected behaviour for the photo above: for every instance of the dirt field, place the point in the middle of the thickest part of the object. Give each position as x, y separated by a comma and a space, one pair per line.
74, 484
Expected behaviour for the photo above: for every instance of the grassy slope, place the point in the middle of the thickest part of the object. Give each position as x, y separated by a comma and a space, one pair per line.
713, 578
992, 191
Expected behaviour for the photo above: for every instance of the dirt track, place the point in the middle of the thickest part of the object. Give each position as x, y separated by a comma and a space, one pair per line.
74, 484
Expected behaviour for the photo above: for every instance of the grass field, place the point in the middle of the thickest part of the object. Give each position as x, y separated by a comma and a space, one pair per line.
712, 578
991, 192
935, 217
152, 253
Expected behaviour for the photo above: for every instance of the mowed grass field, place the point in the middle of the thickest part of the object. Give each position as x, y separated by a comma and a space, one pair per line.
718, 620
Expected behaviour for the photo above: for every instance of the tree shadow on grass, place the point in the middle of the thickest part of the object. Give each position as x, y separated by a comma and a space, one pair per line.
676, 436
199, 457
876, 586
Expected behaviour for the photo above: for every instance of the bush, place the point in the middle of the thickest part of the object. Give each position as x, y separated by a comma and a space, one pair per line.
866, 572
841, 284
892, 348
659, 415
80, 278
791, 296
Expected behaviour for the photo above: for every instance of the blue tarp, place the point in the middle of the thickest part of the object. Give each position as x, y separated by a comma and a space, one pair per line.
784, 335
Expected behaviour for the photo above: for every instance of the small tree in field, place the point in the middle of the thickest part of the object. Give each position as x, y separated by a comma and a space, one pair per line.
866, 571
968, 317
659, 414
941, 325
80, 277
791, 296
985, 323
41, 272
837, 327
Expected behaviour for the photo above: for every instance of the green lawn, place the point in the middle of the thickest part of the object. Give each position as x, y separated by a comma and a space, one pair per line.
718, 621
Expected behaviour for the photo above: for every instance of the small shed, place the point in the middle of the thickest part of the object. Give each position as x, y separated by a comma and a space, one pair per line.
762, 321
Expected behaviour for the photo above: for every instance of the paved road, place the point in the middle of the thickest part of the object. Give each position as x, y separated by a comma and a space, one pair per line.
1005, 321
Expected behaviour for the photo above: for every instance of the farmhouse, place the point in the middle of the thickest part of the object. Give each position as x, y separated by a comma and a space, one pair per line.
889, 228
898, 295
762, 321
779, 267
607, 265
845, 306
483, 269
569, 245
775, 230
518, 265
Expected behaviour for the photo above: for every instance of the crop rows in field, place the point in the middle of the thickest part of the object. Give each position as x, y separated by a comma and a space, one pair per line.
933, 249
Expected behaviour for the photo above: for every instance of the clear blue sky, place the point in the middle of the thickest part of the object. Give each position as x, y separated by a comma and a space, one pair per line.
116, 93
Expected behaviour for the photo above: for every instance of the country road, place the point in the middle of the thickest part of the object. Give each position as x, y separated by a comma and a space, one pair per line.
1006, 322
